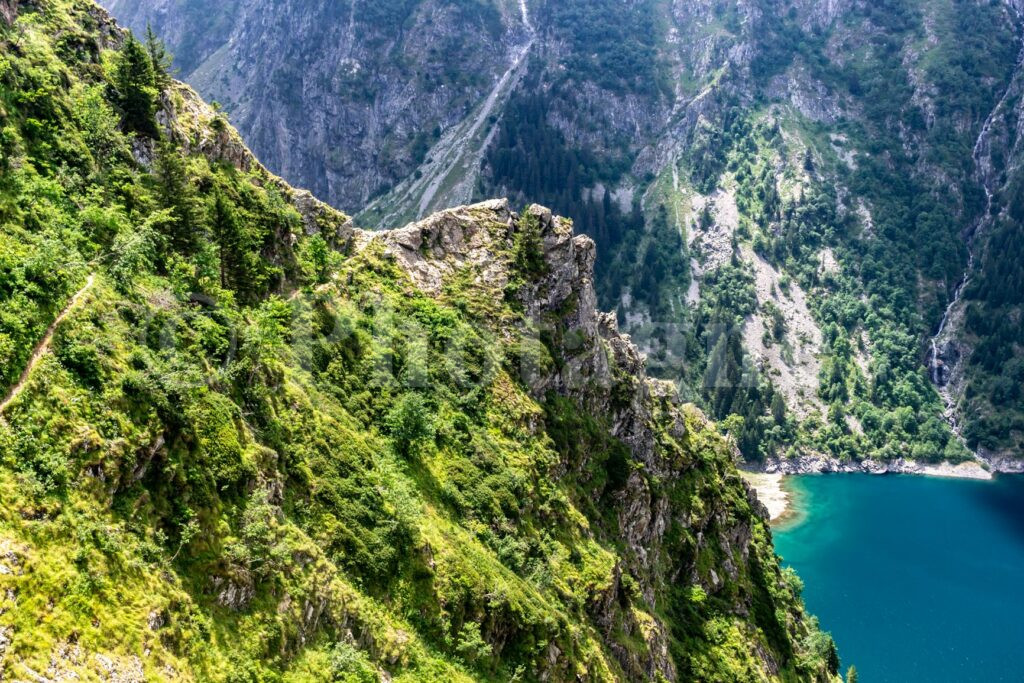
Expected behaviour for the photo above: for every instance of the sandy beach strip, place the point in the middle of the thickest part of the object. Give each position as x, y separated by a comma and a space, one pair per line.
770, 492
779, 501
965, 470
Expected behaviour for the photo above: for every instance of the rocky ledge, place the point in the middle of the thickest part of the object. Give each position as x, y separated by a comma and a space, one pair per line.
817, 463
682, 511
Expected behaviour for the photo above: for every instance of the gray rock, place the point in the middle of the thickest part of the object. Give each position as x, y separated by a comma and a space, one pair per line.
8, 10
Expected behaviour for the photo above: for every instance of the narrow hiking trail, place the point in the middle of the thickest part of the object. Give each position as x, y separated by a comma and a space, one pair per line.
44, 345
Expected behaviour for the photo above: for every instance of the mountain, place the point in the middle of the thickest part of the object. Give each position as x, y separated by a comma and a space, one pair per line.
243, 440
345, 121
807, 214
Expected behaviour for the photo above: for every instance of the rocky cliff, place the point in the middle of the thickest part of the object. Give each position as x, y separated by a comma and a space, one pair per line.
599, 371
808, 148
252, 442
334, 109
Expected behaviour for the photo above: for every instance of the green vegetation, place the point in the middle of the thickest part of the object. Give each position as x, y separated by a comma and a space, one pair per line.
916, 244
615, 50
257, 453
994, 321
736, 392
872, 297
136, 88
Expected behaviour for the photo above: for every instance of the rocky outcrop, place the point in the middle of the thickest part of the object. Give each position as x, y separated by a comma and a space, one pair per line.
603, 372
8, 10
1007, 462
439, 246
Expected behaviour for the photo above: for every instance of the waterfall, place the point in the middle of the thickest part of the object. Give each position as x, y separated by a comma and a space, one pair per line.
939, 371
525, 11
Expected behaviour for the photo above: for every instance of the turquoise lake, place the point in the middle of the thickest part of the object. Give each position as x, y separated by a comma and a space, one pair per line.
918, 579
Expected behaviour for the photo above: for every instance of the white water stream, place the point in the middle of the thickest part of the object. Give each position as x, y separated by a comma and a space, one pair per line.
940, 373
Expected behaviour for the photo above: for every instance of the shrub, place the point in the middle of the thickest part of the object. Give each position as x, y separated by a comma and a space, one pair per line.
409, 422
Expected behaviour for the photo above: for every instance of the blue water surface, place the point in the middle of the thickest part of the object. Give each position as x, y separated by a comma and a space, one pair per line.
919, 579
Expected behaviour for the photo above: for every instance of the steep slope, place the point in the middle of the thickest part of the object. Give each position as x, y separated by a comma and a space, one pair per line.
265, 445
356, 93
977, 358
864, 118
785, 197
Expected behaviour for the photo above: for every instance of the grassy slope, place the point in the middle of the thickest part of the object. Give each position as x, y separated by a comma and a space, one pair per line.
290, 478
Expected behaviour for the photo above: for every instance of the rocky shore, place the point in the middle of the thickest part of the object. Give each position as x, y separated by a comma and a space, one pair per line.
985, 467
1003, 462
767, 478
820, 464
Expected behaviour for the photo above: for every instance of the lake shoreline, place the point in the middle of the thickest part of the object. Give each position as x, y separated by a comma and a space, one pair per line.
771, 492
817, 463
918, 578
768, 479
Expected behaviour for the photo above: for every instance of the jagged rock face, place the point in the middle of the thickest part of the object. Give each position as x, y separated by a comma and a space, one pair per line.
441, 245
338, 97
561, 299
603, 371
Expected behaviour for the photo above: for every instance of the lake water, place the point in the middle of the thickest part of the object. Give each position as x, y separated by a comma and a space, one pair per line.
919, 579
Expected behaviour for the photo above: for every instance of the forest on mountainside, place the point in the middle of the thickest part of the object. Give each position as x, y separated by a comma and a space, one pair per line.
254, 443
864, 135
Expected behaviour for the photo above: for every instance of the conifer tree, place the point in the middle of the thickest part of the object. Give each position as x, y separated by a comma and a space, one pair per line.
224, 226
160, 58
175, 193
778, 408
136, 89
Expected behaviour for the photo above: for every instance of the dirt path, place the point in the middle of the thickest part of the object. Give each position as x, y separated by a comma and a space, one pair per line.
44, 345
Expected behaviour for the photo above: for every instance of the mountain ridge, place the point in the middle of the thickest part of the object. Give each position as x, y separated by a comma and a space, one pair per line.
706, 145
269, 446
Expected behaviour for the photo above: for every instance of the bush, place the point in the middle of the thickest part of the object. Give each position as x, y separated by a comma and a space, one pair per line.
80, 357
471, 645
349, 665
409, 422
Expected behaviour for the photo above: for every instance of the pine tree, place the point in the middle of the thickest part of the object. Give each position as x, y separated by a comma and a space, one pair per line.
175, 193
851, 675
160, 58
136, 89
224, 226
778, 408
